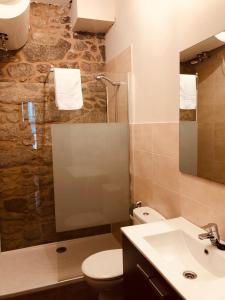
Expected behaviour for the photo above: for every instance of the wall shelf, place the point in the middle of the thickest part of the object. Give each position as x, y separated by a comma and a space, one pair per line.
92, 15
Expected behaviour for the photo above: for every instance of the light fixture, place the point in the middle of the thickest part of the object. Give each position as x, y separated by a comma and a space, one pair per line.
221, 36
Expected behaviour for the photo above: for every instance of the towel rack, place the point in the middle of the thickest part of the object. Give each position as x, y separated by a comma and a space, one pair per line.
50, 70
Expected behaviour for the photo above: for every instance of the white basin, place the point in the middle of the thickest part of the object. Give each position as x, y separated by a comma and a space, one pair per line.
172, 247
186, 253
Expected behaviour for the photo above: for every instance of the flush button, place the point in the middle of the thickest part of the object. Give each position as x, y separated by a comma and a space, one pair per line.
145, 213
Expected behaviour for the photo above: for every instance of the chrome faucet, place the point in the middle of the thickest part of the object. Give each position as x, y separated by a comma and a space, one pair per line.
212, 234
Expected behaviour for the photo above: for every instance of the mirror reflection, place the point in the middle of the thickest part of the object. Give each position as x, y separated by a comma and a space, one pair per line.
202, 109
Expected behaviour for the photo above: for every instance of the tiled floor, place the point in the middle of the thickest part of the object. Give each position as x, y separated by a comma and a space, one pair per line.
41, 267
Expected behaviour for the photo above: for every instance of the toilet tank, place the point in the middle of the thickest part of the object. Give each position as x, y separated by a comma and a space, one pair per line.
146, 214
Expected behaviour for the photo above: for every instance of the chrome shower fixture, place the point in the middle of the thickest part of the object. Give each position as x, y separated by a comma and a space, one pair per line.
103, 77
199, 58
3, 39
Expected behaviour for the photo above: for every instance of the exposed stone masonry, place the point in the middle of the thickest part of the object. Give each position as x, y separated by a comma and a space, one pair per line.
26, 178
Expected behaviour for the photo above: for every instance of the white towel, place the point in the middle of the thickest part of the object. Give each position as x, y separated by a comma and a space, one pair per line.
188, 91
68, 90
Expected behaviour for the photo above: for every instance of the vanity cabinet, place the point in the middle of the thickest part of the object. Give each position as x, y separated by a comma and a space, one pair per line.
141, 279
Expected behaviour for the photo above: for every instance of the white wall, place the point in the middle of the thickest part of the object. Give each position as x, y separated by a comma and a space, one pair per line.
96, 9
92, 15
157, 30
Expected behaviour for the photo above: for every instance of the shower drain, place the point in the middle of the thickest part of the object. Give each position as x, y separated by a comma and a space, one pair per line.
190, 275
61, 250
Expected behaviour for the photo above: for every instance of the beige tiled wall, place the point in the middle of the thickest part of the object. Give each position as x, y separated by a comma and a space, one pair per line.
155, 176
157, 182
118, 69
117, 108
211, 126
120, 63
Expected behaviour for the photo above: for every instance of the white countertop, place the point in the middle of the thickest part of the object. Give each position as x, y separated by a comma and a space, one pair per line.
206, 286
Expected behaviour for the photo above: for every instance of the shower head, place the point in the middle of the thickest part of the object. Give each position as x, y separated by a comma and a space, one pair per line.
199, 58
103, 77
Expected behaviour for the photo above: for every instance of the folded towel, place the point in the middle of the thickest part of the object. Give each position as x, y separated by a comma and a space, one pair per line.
68, 90
188, 91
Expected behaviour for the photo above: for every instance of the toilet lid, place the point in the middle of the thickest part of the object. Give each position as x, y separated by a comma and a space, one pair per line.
104, 265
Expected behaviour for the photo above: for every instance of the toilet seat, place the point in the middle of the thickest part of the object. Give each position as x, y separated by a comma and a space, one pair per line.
104, 265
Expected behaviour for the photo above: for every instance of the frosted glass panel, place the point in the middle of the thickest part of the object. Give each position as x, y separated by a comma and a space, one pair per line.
91, 174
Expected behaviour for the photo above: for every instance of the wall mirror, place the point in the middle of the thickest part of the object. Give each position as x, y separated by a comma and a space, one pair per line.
202, 109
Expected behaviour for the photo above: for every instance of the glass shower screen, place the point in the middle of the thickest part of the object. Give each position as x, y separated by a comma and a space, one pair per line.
91, 174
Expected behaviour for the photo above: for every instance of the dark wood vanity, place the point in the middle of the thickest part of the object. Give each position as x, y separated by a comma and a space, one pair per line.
141, 280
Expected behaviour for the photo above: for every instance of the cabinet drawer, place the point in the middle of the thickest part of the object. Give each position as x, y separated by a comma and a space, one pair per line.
141, 279
153, 283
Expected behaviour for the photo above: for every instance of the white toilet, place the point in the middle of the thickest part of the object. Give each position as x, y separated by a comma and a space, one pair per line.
103, 271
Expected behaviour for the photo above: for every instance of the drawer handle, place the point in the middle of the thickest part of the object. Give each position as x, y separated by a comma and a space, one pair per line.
151, 282
142, 271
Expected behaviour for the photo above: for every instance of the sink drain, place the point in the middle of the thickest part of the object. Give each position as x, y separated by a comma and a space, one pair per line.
190, 275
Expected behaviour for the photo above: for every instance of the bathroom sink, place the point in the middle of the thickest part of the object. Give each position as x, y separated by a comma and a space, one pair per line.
193, 267
186, 253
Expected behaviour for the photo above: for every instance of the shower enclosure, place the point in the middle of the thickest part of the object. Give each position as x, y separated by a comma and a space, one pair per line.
63, 174
91, 168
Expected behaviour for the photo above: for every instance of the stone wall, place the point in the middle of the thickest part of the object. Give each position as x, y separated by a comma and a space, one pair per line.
27, 110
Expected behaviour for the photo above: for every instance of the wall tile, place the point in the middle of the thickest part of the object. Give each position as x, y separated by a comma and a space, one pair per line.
219, 154
143, 164
208, 193
196, 212
131, 127
120, 63
206, 141
165, 138
201, 214
166, 201
142, 137
118, 98
142, 190
211, 105
169, 191
165, 172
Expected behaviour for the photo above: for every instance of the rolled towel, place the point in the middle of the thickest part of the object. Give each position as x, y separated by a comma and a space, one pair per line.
68, 89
